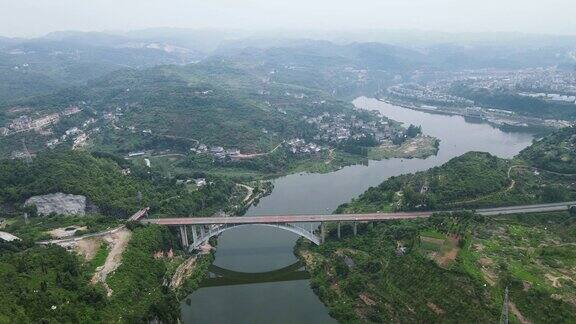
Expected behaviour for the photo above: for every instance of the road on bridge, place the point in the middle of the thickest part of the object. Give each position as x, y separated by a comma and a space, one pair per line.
278, 219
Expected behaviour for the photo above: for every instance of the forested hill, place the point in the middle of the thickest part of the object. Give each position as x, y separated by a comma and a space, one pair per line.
184, 102
101, 180
36, 66
556, 152
540, 173
215, 102
471, 175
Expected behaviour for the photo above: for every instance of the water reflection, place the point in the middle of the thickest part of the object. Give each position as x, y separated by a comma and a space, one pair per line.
225, 277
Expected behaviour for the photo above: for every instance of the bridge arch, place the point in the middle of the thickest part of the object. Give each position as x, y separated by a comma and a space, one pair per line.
219, 229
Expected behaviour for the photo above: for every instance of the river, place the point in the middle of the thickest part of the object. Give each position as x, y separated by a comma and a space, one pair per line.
284, 296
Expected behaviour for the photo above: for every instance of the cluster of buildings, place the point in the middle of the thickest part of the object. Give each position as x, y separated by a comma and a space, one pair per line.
540, 80
79, 141
26, 123
199, 182
300, 147
219, 153
545, 83
435, 91
341, 127
550, 96
427, 94
361, 75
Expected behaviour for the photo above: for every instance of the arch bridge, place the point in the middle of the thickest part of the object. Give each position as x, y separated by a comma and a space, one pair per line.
201, 229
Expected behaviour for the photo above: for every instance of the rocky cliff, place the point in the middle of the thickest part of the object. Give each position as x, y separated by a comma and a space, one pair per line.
59, 203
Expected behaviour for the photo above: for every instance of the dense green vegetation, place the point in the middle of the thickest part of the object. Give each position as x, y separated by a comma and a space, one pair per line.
556, 153
100, 179
60, 288
215, 102
449, 268
218, 102
380, 285
46, 284
137, 285
51, 284
464, 178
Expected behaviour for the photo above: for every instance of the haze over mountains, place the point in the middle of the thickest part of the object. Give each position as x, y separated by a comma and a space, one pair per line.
62, 59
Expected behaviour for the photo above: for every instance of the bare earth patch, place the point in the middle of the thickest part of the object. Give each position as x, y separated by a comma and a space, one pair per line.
182, 272
485, 262
420, 146
519, 316
409, 149
367, 300
248, 194
117, 241
449, 249
435, 308
88, 247
556, 279
489, 276
310, 259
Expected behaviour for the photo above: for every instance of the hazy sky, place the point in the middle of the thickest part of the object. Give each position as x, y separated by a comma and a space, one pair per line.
37, 17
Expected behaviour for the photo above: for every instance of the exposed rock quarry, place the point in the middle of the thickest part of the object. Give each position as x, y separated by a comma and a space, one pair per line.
59, 203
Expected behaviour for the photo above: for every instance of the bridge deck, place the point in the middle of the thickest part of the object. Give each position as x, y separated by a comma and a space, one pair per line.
278, 219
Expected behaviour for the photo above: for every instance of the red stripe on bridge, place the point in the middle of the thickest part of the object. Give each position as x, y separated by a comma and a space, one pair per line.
285, 219
279, 219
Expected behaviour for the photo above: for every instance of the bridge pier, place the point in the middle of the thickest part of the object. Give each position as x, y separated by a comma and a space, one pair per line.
339, 236
322, 232
355, 227
202, 233
194, 235
184, 236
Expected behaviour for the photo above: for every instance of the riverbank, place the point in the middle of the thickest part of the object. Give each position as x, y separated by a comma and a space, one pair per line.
455, 267
329, 160
256, 249
505, 122
381, 138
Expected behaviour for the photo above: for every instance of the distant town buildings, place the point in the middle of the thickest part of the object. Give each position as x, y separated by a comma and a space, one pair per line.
299, 146
333, 129
27, 123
